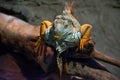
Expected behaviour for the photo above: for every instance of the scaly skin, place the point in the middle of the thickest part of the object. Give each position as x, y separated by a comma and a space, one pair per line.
40, 44
85, 31
44, 25
86, 35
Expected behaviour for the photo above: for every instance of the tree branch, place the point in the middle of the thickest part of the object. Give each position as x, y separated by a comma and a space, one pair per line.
18, 35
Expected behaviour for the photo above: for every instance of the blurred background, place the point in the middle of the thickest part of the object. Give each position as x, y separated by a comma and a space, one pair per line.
103, 15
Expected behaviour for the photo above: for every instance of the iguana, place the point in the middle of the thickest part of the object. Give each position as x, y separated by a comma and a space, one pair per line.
19, 35
63, 33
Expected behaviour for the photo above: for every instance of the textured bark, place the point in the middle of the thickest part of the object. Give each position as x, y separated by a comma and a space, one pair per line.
89, 73
99, 56
18, 35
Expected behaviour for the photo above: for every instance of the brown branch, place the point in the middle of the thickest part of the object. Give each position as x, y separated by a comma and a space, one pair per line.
89, 73
18, 34
101, 56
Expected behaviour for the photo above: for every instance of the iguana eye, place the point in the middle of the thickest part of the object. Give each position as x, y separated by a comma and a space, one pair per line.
52, 28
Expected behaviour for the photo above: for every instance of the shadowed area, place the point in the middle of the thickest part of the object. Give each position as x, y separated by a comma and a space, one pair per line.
16, 66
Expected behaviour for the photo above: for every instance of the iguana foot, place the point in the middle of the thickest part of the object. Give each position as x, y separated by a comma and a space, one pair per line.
82, 43
86, 33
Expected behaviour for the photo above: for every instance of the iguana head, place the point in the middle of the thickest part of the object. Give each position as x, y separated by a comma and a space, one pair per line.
65, 23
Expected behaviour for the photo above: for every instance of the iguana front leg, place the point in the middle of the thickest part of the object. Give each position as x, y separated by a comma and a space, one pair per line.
44, 25
40, 44
86, 35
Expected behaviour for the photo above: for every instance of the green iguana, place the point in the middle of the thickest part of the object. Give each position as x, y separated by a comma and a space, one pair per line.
65, 32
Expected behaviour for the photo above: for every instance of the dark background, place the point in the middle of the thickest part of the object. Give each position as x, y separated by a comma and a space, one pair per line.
104, 15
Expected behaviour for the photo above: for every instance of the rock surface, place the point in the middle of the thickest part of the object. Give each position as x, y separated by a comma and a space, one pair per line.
104, 15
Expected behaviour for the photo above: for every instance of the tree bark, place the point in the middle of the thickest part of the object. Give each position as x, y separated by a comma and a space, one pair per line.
18, 35
99, 56
88, 73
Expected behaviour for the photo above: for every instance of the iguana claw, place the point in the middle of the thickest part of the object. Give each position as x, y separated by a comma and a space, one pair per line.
82, 42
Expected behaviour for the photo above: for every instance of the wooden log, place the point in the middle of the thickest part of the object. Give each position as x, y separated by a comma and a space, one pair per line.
88, 73
18, 35
100, 56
